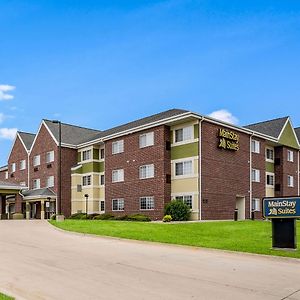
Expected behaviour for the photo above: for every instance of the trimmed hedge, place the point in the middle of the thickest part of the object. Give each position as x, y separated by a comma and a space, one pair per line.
104, 217
178, 210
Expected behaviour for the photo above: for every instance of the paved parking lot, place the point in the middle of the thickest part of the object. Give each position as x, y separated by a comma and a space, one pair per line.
40, 262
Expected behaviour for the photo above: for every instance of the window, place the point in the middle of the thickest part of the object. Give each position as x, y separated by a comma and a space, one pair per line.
270, 179
86, 180
36, 183
118, 204
146, 139
255, 175
146, 203
102, 153
23, 164
118, 147
36, 160
6, 175
290, 156
118, 175
86, 155
13, 167
102, 205
49, 157
255, 204
255, 146
50, 181
290, 181
270, 154
187, 199
184, 168
102, 180
23, 183
184, 134
146, 171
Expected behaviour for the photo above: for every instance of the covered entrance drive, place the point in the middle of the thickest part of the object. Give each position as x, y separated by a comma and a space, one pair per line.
10, 200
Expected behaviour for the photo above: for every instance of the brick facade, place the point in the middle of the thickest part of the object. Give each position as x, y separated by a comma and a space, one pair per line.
130, 160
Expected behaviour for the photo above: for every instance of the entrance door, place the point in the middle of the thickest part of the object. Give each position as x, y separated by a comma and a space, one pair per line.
240, 206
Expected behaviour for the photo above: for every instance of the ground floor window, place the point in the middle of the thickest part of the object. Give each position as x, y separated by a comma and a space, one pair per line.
187, 199
102, 205
118, 204
146, 203
255, 204
86, 180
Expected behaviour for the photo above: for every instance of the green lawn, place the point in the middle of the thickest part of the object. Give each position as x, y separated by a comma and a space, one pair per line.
4, 297
244, 236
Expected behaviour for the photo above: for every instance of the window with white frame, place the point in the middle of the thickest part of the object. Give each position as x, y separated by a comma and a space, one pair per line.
187, 199
118, 175
184, 168
118, 204
118, 147
146, 139
50, 181
290, 181
86, 180
102, 179
49, 157
23, 164
36, 183
36, 160
270, 154
290, 156
86, 154
102, 205
255, 146
146, 203
184, 134
6, 175
147, 171
255, 204
255, 175
102, 153
270, 179
13, 167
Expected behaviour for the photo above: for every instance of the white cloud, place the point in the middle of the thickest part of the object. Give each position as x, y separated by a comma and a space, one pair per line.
224, 115
4, 88
8, 133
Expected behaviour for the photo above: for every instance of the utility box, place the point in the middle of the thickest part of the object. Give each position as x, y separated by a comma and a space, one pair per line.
283, 212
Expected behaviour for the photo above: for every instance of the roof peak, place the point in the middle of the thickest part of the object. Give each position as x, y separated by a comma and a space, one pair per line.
271, 120
77, 126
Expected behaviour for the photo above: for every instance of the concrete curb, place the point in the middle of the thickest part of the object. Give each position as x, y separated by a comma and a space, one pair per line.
187, 247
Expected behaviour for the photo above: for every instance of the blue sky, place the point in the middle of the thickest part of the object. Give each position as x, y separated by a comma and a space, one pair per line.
101, 63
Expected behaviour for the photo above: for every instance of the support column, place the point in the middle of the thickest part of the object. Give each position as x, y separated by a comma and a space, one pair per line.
18, 207
42, 209
3, 207
27, 210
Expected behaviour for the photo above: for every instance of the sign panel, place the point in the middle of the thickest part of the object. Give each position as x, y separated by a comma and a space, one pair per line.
228, 140
288, 207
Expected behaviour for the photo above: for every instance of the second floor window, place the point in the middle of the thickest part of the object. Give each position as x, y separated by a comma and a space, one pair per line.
146, 171
36, 160
184, 168
49, 156
146, 139
23, 164
184, 134
290, 181
290, 156
118, 147
102, 153
270, 154
270, 180
86, 180
102, 179
255, 146
50, 181
255, 175
13, 167
118, 175
36, 183
86, 155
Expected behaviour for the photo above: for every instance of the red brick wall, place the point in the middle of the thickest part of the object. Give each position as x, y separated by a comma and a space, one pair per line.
133, 188
259, 163
284, 169
2, 175
18, 153
225, 174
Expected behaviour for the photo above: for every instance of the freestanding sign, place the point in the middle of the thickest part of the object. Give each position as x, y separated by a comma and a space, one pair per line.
283, 212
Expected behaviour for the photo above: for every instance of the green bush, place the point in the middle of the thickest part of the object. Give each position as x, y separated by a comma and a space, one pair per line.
53, 217
167, 218
138, 218
104, 217
92, 216
78, 216
122, 218
178, 210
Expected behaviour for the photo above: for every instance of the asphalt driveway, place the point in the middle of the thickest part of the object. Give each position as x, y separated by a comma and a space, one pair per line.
38, 261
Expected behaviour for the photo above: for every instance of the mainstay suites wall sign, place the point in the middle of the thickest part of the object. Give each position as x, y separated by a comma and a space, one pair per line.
288, 207
228, 140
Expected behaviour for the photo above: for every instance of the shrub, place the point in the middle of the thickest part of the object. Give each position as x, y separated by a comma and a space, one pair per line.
178, 210
53, 217
92, 216
122, 218
138, 218
18, 216
104, 217
167, 218
78, 216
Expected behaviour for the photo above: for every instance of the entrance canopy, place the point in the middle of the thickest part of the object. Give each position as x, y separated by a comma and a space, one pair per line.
8, 188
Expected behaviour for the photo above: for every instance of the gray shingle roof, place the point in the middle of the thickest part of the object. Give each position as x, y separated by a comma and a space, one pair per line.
297, 130
271, 127
71, 134
45, 192
27, 138
6, 184
140, 122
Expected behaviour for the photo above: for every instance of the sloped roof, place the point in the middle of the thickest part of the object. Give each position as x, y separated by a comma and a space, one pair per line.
27, 138
140, 122
45, 192
272, 127
71, 134
4, 168
297, 131
10, 185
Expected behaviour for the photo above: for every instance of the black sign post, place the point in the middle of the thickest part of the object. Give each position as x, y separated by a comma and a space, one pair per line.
283, 212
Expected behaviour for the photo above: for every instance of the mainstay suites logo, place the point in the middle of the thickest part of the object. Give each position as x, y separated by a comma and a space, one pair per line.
282, 207
228, 140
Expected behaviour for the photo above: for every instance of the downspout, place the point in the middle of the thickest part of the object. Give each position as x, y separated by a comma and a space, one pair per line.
200, 168
298, 174
28, 171
250, 183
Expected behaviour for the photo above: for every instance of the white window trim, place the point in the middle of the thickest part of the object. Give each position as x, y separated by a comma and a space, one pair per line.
112, 204
112, 147
184, 195
144, 209
87, 185
191, 140
291, 155
258, 172
268, 159
257, 200
51, 157
101, 174
39, 160
185, 175
146, 134
13, 167
267, 185
112, 176
39, 181
91, 155
47, 184
24, 167
293, 181
146, 167
256, 142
